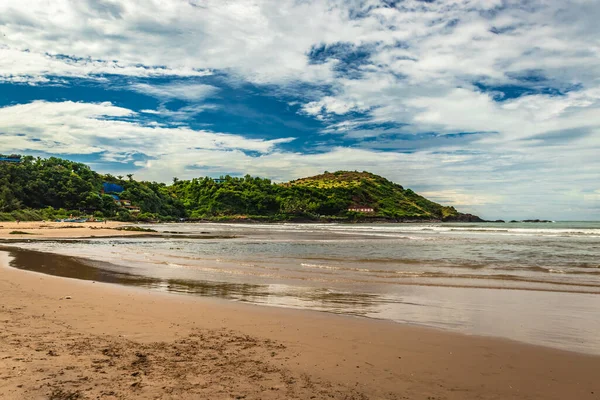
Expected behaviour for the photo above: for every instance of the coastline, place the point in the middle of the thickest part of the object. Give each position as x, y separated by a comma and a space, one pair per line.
64, 230
261, 352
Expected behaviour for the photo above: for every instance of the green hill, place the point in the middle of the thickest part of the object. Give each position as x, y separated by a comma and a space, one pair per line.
367, 190
36, 188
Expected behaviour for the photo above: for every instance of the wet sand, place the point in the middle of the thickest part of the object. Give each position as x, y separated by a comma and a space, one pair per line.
63, 230
559, 320
112, 342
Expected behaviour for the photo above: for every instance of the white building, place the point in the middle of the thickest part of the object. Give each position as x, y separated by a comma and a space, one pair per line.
361, 209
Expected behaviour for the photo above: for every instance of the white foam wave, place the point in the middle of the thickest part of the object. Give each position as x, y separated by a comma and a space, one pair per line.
408, 231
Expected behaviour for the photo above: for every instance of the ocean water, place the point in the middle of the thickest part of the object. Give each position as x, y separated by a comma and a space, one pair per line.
533, 282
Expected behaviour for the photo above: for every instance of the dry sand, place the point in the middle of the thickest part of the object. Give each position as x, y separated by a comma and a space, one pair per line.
62, 230
111, 342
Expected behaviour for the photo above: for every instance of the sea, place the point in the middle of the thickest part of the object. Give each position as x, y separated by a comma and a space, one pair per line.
537, 283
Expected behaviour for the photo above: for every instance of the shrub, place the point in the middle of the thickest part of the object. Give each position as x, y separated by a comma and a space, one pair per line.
98, 214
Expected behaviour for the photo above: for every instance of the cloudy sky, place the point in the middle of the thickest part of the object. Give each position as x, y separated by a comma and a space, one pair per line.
492, 106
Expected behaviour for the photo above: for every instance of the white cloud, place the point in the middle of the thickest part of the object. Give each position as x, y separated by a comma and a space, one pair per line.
35, 67
184, 91
181, 114
87, 128
460, 199
464, 110
262, 41
331, 105
440, 43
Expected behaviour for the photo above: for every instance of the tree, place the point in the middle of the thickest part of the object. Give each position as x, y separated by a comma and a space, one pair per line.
8, 202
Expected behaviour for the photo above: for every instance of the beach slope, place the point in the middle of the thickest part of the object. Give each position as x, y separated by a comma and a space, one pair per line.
63, 337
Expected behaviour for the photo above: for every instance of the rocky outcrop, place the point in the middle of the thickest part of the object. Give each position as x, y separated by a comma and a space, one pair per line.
463, 218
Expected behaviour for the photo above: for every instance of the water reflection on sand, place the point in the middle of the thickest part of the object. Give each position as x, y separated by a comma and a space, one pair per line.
537, 285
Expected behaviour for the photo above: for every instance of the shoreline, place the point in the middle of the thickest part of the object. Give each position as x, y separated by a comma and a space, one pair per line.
342, 221
319, 352
5, 246
12, 232
64, 230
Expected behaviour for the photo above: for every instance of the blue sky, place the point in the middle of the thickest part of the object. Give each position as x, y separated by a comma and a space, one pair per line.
491, 106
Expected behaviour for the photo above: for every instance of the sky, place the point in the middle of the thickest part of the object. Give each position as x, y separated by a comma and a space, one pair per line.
492, 106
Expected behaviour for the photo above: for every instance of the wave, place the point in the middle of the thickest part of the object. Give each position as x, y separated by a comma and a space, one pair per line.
334, 268
556, 229
567, 269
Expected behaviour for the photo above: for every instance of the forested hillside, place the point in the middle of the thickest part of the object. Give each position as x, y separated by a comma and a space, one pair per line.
36, 188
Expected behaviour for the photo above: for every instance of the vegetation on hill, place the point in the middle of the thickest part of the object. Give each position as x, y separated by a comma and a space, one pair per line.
365, 189
37, 188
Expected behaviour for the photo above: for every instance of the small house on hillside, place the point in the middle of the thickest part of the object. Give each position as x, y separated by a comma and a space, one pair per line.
219, 180
120, 202
133, 209
361, 209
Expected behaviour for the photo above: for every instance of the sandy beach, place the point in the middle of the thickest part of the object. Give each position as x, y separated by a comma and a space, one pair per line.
62, 230
70, 339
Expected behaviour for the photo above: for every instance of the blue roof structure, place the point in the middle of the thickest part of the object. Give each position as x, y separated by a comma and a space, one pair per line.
112, 187
114, 196
10, 159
